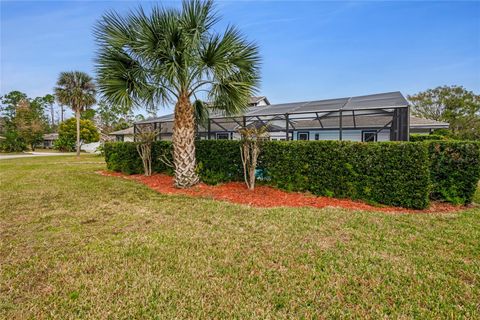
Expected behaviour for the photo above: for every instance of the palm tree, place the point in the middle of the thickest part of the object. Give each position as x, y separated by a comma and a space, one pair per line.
173, 56
77, 90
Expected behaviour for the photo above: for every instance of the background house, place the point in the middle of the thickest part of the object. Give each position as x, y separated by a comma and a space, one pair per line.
49, 139
122, 135
426, 126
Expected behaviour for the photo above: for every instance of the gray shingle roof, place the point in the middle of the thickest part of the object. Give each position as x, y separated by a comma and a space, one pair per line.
126, 132
50, 136
416, 122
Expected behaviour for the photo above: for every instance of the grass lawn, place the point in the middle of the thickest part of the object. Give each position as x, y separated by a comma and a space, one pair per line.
74, 244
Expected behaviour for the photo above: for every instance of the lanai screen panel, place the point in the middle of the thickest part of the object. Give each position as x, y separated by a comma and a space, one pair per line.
381, 111
376, 101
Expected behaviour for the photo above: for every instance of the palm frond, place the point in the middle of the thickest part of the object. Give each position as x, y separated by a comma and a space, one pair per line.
200, 110
233, 65
153, 58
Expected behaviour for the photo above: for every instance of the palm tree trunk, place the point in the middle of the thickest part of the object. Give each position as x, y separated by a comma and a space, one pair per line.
77, 116
53, 116
184, 144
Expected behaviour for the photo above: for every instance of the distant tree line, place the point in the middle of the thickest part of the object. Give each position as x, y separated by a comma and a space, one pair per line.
24, 121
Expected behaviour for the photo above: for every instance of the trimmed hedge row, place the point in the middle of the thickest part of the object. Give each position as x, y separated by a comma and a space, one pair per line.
454, 169
392, 173
123, 157
389, 173
217, 160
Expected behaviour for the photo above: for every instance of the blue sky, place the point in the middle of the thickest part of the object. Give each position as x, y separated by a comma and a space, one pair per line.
311, 50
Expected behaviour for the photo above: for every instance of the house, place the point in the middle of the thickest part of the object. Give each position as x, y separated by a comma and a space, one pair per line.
375, 117
425, 126
48, 140
258, 101
123, 135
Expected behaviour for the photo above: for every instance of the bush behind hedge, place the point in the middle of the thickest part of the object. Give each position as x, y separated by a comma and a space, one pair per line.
123, 157
417, 137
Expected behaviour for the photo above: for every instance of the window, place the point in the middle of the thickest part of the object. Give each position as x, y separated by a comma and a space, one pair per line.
222, 136
119, 138
369, 136
302, 136
317, 136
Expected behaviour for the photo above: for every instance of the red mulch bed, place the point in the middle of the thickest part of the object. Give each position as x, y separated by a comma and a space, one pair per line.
265, 196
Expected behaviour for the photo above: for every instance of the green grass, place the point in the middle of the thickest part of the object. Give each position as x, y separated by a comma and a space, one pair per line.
74, 244
476, 197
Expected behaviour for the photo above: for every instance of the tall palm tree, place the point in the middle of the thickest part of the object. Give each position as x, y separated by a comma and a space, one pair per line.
173, 56
76, 90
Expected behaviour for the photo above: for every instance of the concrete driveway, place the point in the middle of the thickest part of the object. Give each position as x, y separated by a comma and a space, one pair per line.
34, 154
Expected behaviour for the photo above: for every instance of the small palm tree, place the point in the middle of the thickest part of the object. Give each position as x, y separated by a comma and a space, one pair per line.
175, 57
76, 90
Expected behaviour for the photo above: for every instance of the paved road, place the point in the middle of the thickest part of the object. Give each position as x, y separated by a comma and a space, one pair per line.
34, 154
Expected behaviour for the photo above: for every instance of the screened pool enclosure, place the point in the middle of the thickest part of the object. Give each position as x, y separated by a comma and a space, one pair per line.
377, 117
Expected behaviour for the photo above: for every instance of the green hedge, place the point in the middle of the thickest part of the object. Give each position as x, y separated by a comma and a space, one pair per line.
122, 157
388, 173
217, 160
455, 170
416, 137
392, 173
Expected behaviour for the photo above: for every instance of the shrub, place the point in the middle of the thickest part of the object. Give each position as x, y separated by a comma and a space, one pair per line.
64, 144
67, 134
415, 137
12, 142
454, 169
123, 157
392, 173
217, 160
389, 173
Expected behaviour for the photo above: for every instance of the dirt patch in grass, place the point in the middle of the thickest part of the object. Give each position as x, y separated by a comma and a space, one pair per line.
265, 196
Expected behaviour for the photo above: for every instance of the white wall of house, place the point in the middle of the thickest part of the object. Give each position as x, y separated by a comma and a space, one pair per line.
124, 138
261, 103
236, 135
90, 147
347, 135
277, 136
383, 135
